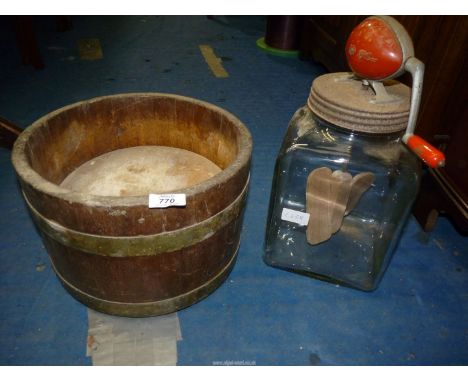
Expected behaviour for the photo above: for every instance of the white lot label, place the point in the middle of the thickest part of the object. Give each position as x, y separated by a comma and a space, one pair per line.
298, 217
166, 200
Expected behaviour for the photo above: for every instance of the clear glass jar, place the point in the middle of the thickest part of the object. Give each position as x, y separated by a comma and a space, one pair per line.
359, 252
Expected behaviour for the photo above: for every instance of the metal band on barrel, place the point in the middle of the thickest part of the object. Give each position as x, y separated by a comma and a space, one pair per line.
147, 309
145, 245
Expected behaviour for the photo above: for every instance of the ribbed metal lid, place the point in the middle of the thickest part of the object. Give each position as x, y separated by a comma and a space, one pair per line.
343, 100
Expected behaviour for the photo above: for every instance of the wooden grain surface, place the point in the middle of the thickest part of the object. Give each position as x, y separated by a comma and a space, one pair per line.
63, 140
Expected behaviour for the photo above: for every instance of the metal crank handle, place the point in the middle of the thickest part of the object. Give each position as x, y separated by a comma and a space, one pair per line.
429, 154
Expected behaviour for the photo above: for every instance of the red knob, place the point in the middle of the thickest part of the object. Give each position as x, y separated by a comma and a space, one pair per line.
429, 154
373, 50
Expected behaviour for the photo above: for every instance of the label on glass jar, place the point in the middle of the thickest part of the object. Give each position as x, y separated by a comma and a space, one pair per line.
298, 217
166, 200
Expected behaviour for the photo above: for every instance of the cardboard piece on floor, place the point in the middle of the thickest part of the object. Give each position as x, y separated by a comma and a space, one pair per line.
126, 341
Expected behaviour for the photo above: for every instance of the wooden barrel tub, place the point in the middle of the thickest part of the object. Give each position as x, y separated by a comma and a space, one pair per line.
113, 253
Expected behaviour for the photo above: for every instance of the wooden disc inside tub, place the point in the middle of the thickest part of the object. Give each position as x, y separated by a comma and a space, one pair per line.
140, 170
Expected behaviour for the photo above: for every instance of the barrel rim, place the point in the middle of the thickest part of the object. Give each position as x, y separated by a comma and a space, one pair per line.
34, 179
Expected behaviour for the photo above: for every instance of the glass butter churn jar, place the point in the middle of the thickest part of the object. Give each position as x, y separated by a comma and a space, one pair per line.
348, 170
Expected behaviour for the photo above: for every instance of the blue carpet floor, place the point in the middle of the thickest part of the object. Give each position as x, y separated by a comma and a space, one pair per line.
262, 315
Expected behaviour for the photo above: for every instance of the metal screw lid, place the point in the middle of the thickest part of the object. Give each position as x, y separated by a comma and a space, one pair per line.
343, 100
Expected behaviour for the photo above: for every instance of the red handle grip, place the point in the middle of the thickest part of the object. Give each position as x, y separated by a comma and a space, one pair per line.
429, 154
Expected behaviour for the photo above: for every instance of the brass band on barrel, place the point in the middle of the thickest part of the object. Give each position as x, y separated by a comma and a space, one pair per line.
147, 309
147, 245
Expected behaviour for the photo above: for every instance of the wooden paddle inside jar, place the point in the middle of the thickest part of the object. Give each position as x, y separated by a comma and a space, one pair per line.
330, 196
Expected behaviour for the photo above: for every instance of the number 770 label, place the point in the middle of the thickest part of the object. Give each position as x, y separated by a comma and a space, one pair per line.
166, 200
